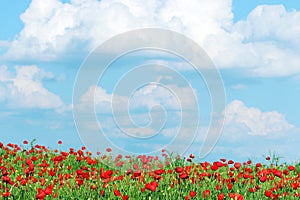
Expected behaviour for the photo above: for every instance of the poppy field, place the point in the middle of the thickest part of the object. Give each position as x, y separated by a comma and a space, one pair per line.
32, 171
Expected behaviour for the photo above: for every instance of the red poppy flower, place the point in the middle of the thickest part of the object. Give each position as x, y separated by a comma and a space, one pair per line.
237, 165
236, 196
137, 174
214, 167
125, 197
159, 171
193, 193
41, 194
294, 186
230, 162
206, 194
102, 192
48, 190
258, 165
6, 194
117, 193
221, 196
93, 187
179, 169
79, 181
135, 166
263, 178
151, 187
184, 176
268, 193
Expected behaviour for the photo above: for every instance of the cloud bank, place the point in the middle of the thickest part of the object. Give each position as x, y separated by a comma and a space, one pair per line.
266, 43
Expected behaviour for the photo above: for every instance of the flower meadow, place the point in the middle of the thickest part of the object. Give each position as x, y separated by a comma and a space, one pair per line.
33, 171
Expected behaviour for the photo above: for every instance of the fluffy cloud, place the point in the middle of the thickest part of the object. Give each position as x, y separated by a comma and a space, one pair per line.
4, 43
152, 106
168, 96
24, 89
53, 27
253, 121
275, 35
98, 98
266, 43
284, 26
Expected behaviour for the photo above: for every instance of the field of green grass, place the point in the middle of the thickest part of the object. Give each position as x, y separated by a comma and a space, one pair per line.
32, 171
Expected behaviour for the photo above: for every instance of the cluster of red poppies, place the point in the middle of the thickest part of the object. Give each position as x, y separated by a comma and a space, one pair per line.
37, 172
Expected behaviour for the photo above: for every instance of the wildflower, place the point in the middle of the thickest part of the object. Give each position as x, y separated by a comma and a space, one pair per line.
206, 194
159, 171
125, 197
184, 176
193, 193
214, 167
268, 193
236, 196
117, 193
6, 194
237, 165
151, 186
221, 196
179, 169
230, 162
102, 192
41, 194
263, 178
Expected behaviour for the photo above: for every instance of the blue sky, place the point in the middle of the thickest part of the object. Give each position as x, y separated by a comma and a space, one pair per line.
253, 44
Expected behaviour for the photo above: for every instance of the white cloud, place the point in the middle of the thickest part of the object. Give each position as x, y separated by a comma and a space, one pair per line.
266, 43
5, 75
253, 121
25, 89
274, 34
271, 21
168, 96
51, 27
99, 98
4, 43
134, 112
